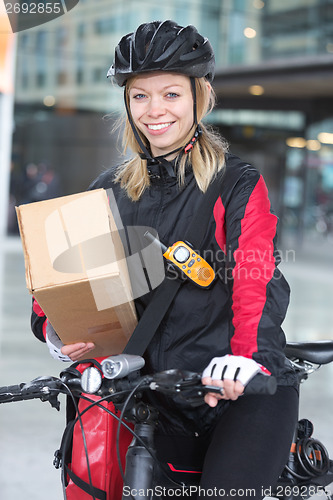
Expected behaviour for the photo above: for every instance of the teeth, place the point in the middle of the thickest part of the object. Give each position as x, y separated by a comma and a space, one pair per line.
159, 127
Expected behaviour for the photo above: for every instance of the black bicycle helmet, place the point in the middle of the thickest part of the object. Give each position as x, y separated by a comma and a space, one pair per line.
163, 46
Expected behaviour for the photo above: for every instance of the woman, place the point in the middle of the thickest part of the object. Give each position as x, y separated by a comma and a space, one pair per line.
232, 331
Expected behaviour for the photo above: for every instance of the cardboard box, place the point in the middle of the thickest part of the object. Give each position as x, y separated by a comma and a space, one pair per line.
76, 269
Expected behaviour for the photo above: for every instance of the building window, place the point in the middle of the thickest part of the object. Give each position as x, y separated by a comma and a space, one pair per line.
41, 40
61, 36
25, 80
40, 79
79, 76
61, 78
104, 26
23, 40
99, 74
81, 30
208, 25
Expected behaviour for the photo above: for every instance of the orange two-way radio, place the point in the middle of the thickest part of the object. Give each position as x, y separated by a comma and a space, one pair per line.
189, 262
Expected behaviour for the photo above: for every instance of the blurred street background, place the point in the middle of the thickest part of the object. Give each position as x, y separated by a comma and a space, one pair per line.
274, 86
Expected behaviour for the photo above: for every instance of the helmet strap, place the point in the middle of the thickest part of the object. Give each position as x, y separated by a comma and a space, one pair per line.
194, 93
145, 155
198, 129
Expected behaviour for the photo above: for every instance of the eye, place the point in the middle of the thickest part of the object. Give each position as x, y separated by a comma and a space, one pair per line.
138, 96
172, 95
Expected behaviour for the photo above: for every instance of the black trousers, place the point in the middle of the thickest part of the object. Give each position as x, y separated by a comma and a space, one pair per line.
246, 452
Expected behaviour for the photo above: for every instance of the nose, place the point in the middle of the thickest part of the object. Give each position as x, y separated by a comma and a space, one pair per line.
156, 107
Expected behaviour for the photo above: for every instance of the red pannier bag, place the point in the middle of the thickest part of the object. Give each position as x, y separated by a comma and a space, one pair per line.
100, 433
100, 430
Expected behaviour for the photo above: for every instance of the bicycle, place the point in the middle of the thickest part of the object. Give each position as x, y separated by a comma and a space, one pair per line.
307, 474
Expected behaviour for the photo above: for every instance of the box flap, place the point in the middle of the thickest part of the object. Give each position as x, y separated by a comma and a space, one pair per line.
65, 237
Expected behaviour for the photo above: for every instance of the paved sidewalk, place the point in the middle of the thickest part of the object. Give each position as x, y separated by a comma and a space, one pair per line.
30, 431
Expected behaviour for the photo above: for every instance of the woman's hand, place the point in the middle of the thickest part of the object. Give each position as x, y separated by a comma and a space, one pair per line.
78, 350
232, 373
231, 390
61, 352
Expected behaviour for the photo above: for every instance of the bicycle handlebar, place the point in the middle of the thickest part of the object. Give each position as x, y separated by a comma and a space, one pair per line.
170, 382
39, 387
44, 388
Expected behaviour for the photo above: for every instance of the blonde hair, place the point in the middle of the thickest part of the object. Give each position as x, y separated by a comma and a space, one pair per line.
207, 156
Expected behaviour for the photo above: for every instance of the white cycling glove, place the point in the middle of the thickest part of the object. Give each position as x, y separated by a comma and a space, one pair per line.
55, 344
233, 368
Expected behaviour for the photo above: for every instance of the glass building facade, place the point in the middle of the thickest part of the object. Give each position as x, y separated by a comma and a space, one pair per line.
65, 109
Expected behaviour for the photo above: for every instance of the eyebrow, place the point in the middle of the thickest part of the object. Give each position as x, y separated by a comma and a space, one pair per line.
163, 89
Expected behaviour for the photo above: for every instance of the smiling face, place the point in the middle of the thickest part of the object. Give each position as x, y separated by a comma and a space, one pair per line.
161, 105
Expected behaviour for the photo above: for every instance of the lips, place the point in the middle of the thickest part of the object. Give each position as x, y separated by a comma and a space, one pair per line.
158, 126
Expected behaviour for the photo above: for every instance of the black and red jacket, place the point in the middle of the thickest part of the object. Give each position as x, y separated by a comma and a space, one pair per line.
243, 311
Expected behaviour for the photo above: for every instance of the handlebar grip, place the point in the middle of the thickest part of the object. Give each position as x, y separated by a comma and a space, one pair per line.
261, 384
11, 393
38, 388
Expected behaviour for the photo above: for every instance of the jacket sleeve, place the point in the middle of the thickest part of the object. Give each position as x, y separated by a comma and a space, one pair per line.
38, 321
260, 294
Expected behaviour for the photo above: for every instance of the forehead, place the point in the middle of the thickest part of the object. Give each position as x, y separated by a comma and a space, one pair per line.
159, 80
